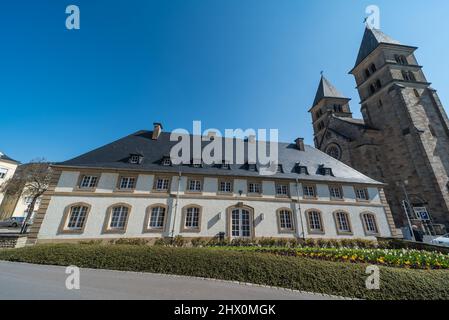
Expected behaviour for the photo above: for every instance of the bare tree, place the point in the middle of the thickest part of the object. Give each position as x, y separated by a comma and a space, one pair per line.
30, 180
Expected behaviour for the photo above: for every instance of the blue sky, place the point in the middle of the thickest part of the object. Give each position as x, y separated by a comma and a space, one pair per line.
231, 64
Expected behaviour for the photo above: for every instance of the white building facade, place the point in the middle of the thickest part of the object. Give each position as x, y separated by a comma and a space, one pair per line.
107, 194
8, 167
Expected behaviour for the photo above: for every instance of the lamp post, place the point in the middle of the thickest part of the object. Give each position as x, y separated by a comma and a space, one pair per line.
407, 205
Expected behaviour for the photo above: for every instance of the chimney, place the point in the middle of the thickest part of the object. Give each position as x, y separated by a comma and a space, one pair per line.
300, 144
157, 130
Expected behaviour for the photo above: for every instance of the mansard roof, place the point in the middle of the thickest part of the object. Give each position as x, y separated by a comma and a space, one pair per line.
326, 90
6, 158
116, 156
371, 40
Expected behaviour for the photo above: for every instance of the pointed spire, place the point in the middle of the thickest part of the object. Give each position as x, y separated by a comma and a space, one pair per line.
326, 90
371, 40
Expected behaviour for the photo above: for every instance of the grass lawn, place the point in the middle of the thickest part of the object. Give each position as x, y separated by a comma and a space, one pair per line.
294, 272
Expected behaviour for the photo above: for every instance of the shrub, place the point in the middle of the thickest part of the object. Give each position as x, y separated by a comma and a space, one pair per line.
130, 242
328, 277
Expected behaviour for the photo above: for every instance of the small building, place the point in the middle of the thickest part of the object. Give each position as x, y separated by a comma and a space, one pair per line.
131, 189
8, 167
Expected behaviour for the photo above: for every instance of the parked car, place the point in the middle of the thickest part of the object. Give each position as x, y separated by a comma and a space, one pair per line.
13, 222
442, 240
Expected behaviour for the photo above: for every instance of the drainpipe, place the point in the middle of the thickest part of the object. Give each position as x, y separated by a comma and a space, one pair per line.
299, 209
176, 205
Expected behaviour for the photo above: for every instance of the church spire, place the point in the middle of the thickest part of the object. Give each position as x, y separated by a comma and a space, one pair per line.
326, 90
371, 40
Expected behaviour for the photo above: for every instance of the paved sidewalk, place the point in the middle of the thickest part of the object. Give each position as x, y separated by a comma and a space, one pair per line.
27, 281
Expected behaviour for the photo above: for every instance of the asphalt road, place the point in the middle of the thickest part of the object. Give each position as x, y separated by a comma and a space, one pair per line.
29, 282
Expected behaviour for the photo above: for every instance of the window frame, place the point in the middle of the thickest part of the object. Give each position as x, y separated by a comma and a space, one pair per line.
340, 188
279, 221
125, 176
341, 232
63, 227
260, 184
320, 231
367, 232
108, 219
4, 173
282, 184
81, 179
148, 213
365, 189
186, 229
162, 177
229, 193
193, 179
309, 185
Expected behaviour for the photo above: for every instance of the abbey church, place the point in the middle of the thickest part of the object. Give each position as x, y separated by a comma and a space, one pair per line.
403, 138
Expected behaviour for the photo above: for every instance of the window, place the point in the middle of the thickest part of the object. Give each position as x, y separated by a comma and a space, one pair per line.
162, 184
88, 182
166, 162
372, 89
400, 59
378, 84
320, 126
373, 68
225, 186
380, 104
279, 169
416, 93
334, 151
135, 159
240, 223
314, 221
3, 173
342, 222
282, 190
192, 218
369, 223
318, 114
157, 218
285, 220
336, 192
361, 194
302, 169
225, 165
408, 76
119, 217
367, 73
77, 217
326, 171
309, 191
254, 187
127, 183
252, 167
194, 185
338, 108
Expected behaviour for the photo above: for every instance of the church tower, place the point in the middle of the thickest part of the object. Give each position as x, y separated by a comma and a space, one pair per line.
328, 102
412, 140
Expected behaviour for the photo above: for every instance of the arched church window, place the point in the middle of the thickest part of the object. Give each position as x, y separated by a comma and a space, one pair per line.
334, 151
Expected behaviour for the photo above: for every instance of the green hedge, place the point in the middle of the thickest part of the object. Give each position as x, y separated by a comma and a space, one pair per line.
337, 278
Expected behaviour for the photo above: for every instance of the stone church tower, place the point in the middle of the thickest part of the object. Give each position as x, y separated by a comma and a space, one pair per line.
403, 138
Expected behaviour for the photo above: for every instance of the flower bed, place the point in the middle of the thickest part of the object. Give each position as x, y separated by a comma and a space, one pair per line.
401, 258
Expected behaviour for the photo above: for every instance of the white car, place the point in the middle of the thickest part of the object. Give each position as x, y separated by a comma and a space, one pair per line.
442, 241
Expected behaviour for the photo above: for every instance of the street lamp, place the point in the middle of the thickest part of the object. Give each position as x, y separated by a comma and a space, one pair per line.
407, 206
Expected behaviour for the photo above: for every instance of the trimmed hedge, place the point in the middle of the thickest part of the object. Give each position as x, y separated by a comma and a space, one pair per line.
336, 278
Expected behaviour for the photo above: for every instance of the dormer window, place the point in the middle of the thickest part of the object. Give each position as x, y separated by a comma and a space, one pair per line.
325, 171
280, 169
225, 165
197, 163
252, 167
135, 159
301, 169
166, 162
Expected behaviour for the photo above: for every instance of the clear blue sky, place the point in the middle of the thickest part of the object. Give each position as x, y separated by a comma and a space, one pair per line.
230, 64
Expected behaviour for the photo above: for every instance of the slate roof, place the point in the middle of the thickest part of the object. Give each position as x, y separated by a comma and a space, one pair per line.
6, 158
326, 90
371, 40
116, 156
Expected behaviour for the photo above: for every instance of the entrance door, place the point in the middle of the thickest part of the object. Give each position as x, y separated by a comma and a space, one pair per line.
241, 223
